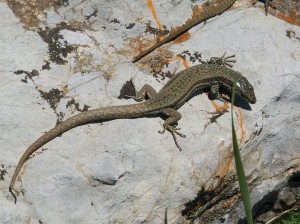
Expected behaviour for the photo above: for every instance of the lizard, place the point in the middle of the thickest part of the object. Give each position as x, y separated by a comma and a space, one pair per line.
212, 76
211, 9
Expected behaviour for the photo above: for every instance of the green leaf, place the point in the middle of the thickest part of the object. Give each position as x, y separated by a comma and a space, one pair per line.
239, 166
289, 218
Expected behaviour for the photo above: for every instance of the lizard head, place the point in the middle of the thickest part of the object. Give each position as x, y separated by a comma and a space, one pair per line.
245, 89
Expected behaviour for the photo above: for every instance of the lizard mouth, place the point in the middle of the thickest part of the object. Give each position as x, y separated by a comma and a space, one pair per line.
239, 94
251, 100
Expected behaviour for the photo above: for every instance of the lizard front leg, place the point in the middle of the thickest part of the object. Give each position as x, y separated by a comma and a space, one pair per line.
145, 91
224, 61
173, 115
170, 124
214, 93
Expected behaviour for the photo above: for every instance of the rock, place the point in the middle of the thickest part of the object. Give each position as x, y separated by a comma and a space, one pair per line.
58, 60
107, 169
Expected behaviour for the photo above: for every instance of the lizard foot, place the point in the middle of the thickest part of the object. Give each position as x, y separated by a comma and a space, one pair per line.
224, 61
173, 130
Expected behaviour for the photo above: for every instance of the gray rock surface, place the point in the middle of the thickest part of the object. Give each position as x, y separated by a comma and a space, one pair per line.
107, 169
57, 60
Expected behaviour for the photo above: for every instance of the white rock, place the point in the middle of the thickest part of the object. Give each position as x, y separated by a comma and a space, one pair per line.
143, 172
107, 169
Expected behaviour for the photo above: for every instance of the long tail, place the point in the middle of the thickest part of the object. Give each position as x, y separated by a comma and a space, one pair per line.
208, 11
101, 114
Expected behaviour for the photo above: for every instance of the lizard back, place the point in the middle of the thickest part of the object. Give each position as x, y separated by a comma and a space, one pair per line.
178, 89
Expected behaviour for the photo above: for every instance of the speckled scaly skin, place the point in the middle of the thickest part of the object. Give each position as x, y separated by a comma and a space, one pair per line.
174, 94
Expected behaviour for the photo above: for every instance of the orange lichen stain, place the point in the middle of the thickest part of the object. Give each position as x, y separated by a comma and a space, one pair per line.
65, 89
151, 7
241, 124
228, 203
141, 45
197, 10
183, 37
138, 44
224, 167
177, 58
198, 13
30, 12
292, 18
219, 108
184, 61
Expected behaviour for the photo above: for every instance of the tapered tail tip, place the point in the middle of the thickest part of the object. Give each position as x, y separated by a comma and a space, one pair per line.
12, 193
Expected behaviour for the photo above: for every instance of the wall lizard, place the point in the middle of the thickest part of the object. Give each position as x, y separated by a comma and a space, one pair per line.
210, 9
211, 76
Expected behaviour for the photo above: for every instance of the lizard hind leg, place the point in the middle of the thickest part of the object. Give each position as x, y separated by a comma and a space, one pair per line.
170, 124
143, 93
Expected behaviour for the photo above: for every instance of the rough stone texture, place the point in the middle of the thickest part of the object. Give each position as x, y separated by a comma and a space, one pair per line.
288, 10
63, 57
107, 169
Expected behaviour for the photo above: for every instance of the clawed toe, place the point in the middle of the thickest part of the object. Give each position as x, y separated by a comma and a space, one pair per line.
178, 133
223, 60
173, 130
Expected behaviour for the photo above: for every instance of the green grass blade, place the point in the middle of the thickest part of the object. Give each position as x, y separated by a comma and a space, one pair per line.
239, 167
289, 218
